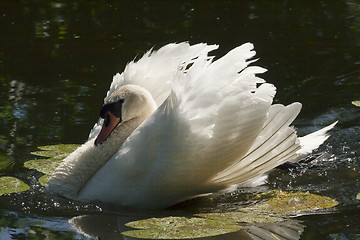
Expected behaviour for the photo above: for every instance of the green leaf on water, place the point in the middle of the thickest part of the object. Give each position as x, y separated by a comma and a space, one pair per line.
12, 185
243, 216
275, 206
179, 228
54, 155
44, 179
292, 203
59, 151
46, 166
356, 103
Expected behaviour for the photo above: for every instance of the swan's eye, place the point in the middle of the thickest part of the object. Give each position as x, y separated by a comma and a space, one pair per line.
104, 111
107, 120
114, 108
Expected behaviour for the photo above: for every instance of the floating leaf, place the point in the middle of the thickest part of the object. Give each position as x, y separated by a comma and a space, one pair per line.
356, 103
180, 228
59, 151
275, 207
287, 203
46, 166
244, 216
12, 185
55, 154
44, 179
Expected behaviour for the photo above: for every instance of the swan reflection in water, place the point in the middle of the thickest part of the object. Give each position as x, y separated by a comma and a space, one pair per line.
111, 227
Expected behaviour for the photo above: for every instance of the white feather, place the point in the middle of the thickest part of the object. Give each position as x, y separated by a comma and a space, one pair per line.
313, 140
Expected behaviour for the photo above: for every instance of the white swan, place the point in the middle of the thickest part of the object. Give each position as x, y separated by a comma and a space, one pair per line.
177, 125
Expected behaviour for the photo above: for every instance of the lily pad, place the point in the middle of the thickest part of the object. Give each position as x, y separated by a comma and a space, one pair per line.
273, 207
59, 151
292, 203
46, 166
12, 185
244, 216
44, 179
180, 228
356, 103
54, 153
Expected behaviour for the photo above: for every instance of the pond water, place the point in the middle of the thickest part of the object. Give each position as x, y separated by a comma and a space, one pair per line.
57, 59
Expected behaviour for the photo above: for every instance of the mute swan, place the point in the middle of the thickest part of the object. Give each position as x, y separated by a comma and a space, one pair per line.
177, 124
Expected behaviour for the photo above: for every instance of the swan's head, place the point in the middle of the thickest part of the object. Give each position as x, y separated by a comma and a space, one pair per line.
129, 102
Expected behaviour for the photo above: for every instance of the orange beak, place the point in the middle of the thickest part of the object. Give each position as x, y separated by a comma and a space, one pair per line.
110, 123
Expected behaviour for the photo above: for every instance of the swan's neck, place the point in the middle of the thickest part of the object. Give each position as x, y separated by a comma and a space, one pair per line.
75, 171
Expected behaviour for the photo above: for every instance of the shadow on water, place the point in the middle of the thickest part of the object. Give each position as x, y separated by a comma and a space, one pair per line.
57, 59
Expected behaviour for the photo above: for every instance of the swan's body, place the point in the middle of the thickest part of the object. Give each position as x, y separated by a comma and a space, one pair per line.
177, 125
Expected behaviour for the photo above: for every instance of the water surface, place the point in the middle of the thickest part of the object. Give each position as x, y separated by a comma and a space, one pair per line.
57, 59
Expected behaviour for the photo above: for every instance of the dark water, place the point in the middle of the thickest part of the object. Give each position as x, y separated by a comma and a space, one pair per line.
57, 60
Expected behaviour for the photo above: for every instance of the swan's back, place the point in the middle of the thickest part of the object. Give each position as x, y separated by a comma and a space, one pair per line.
215, 127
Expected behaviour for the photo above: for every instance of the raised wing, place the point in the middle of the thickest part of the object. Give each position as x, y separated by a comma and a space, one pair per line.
154, 71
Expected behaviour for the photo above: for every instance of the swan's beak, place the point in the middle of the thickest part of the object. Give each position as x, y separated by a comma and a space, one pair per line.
110, 123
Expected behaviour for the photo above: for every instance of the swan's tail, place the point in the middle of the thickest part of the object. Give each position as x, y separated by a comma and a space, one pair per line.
276, 144
312, 141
